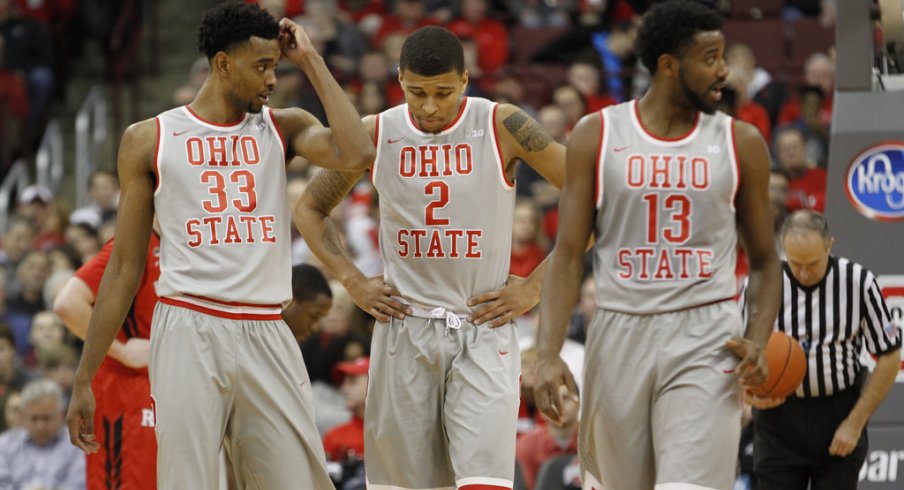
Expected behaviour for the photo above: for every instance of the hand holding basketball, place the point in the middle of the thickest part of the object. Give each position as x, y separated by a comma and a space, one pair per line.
761, 402
752, 369
787, 366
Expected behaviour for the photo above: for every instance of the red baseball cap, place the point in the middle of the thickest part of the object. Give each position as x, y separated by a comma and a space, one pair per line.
353, 368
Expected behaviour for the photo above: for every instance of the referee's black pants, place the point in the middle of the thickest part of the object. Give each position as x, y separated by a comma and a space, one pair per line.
791, 445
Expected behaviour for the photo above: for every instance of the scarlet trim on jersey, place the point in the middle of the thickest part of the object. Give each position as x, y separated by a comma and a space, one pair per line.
373, 486
732, 141
213, 125
279, 135
447, 127
373, 168
377, 131
635, 116
598, 171
222, 309
157, 152
482, 483
505, 179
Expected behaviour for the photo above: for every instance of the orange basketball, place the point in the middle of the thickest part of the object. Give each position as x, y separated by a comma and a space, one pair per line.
787, 366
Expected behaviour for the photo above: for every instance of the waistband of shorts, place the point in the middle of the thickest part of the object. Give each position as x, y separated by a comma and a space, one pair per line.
225, 309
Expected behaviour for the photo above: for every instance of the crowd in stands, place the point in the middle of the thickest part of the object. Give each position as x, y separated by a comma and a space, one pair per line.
40, 44
557, 60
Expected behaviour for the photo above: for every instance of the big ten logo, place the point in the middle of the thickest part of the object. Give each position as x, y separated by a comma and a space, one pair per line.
147, 418
875, 182
882, 466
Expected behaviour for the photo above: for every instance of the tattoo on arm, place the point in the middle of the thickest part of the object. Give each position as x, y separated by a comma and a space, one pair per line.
527, 132
329, 188
331, 239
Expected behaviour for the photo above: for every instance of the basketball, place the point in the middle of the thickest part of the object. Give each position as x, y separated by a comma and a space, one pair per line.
787, 366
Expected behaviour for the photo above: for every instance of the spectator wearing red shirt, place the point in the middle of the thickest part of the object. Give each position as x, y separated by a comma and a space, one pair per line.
585, 77
549, 441
124, 419
347, 440
820, 71
527, 252
490, 35
807, 184
13, 93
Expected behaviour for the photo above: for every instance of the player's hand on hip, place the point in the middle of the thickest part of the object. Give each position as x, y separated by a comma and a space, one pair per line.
504, 305
552, 374
761, 402
294, 42
374, 296
846, 437
752, 369
135, 353
80, 418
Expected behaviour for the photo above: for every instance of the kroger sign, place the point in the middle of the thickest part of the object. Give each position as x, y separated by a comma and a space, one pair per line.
875, 182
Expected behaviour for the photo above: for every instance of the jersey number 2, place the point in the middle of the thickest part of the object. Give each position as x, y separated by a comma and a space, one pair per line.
678, 207
439, 189
216, 183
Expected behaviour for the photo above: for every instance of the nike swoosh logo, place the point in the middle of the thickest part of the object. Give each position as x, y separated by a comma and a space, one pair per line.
502, 352
623, 148
392, 141
179, 133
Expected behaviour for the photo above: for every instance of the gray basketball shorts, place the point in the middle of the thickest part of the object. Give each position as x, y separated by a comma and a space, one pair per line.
660, 408
238, 383
442, 405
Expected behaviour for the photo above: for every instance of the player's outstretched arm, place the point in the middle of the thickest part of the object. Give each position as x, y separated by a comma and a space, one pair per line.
521, 139
561, 285
121, 278
765, 281
346, 148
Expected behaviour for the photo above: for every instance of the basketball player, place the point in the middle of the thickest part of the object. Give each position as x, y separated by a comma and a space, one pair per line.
664, 181
222, 362
443, 396
124, 418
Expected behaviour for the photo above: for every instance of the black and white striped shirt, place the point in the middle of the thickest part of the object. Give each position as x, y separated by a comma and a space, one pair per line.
834, 320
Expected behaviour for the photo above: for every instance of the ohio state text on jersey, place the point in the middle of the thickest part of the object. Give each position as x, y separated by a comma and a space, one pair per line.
666, 236
221, 198
445, 206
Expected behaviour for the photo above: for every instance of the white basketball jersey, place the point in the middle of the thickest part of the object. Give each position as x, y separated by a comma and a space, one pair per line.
446, 208
666, 236
221, 203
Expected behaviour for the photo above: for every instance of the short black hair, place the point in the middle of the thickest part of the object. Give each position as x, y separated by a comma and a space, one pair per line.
232, 23
669, 28
308, 282
431, 51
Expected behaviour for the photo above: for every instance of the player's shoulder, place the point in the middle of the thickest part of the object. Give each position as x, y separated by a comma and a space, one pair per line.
745, 133
293, 119
588, 128
141, 138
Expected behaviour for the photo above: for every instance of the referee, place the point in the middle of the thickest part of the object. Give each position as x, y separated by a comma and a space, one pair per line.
834, 307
